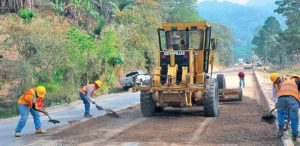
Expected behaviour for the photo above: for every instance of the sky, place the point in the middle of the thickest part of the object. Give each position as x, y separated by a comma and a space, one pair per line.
244, 2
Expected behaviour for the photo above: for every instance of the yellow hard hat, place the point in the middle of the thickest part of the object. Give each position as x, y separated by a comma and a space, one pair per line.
274, 77
41, 91
98, 83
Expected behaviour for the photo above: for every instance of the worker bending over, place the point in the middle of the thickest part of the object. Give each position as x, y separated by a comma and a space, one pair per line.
31, 101
86, 93
288, 101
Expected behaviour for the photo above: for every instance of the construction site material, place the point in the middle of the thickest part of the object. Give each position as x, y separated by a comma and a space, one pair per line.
108, 111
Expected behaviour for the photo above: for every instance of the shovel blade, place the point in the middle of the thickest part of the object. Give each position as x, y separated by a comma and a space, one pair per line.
54, 121
269, 118
112, 113
99, 107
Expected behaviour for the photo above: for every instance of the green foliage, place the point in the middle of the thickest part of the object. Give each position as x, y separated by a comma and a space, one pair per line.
99, 26
266, 39
179, 11
1, 85
290, 9
224, 43
243, 20
58, 7
27, 15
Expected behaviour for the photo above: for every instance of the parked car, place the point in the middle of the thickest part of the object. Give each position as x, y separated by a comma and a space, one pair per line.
258, 64
128, 81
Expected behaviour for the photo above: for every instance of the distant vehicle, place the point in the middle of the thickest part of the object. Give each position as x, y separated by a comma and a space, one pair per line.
258, 64
248, 64
128, 81
241, 61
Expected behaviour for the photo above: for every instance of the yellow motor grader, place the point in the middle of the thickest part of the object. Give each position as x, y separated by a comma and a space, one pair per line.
183, 78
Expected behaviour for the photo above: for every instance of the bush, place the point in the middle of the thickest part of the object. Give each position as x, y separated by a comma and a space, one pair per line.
27, 15
99, 26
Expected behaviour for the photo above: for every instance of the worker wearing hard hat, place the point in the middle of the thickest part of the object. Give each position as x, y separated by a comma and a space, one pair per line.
276, 80
31, 101
288, 100
86, 93
176, 42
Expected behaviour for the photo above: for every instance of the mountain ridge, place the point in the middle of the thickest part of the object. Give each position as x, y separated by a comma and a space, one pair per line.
243, 20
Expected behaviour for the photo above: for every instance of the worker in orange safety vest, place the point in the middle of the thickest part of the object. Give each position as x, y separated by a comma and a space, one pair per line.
86, 93
31, 101
288, 101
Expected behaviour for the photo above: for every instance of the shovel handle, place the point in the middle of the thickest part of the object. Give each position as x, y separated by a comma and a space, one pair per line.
272, 110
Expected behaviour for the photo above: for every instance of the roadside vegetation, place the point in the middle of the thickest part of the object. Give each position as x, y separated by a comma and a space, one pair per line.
280, 48
65, 44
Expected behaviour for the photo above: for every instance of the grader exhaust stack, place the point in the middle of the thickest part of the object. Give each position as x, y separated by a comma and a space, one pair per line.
183, 79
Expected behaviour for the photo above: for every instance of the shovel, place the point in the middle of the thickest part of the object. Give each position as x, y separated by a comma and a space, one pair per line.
108, 111
269, 117
52, 120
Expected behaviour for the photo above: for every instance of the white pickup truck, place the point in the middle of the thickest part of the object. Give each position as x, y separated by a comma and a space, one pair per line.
127, 81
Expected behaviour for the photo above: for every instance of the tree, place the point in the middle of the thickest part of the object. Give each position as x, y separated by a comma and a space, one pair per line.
290, 9
224, 42
266, 38
179, 10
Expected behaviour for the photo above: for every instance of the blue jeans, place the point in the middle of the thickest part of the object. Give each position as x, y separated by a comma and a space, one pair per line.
86, 102
288, 104
242, 82
24, 111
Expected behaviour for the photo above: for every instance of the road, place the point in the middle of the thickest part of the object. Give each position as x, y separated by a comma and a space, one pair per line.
66, 114
239, 123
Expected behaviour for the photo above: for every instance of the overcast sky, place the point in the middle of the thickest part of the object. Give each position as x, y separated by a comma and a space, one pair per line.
244, 2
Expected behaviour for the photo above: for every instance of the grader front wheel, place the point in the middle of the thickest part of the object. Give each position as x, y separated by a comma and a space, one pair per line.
211, 101
148, 106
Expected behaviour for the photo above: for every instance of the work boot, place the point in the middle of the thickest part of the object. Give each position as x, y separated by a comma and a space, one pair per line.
40, 131
280, 132
88, 115
18, 134
294, 138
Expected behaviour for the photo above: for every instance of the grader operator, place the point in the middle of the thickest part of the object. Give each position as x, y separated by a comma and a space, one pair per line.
183, 79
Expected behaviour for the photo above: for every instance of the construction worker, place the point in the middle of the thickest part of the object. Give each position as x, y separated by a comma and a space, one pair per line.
277, 81
176, 42
288, 101
242, 79
86, 93
31, 101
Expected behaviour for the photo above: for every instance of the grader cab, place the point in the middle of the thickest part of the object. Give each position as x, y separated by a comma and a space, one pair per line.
183, 78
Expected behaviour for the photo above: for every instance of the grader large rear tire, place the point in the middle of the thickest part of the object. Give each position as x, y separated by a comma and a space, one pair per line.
211, 101
148, 107
221, 81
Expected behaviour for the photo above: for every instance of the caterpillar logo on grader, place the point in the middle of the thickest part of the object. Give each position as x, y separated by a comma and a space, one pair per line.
183, 79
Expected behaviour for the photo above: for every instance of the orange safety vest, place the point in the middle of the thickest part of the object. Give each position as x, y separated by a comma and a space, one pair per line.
30, 97
85, 88
289, 88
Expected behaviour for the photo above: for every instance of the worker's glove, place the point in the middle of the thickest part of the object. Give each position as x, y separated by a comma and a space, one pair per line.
93, 102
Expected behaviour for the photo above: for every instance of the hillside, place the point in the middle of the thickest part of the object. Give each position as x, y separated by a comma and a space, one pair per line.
244, 20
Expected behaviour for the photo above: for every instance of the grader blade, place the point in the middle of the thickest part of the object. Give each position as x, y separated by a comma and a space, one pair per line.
229, 95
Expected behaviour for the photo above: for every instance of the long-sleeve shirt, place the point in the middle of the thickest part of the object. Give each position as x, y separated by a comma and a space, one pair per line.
274, 93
